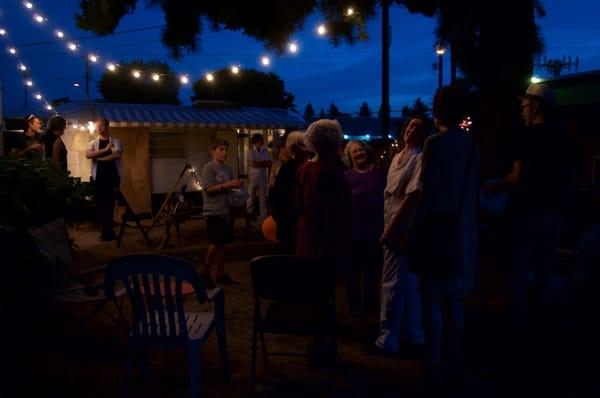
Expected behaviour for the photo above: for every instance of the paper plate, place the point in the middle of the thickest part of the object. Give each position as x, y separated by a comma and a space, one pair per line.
494, 203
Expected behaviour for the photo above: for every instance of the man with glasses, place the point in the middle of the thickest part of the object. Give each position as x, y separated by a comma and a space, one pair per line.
27, 144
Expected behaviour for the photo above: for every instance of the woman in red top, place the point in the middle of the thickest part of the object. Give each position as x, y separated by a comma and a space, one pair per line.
323, 200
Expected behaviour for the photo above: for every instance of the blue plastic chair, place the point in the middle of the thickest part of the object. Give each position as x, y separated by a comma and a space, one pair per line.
155, 286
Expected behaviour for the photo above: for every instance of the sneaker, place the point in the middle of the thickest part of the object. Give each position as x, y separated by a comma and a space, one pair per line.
226, 280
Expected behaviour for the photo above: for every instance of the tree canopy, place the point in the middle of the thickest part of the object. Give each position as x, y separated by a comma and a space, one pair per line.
121, 86
364, 110
249, 87
309, 111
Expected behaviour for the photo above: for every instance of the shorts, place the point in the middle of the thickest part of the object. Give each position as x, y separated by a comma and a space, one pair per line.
220, 229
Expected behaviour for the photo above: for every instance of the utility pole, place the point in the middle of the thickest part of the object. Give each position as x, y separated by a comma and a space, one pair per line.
555, 65
452, 64
385, 69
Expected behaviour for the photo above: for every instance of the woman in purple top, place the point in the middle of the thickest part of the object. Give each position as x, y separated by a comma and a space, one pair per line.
367, 183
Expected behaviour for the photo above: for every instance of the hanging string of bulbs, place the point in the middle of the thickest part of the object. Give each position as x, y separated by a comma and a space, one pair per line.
94, 57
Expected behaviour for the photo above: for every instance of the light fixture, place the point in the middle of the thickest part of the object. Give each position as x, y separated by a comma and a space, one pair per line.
38, 18
93, 58
235, 69
49, 107
155, 77
75, 126
28, 82
136, 73
72, 46
111, 67
184, 79
265, 61
12, 50
59, 34
28, 5
293, 47
210, 77
38, 96
2, 32
22, 67
346, 136
76, 85
349, 11
440, 51
321, 30
535, 79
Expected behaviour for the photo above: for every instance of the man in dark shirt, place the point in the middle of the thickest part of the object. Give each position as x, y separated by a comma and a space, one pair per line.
105, 153
27, 144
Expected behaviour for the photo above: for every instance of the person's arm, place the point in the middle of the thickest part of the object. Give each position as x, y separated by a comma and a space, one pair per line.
31, 148
91, 153
56, 150
115, 150
219, 188
509, 181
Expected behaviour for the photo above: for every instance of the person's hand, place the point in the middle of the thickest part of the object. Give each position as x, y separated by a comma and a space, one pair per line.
35, 147
236, 183
109, 147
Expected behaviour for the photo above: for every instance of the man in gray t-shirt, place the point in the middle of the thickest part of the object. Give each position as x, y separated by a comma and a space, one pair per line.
218, 180
215, 204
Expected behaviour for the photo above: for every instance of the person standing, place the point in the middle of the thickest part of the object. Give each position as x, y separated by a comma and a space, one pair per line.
259, 162
54, 147
27, 144
105, 153
400, 296
218, 181
366, 182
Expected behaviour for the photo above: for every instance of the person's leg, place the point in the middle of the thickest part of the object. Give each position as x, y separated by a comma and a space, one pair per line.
435, 333
262, 201
371, 276
353, 277
393, 279
414, 310
250, 203
220, 260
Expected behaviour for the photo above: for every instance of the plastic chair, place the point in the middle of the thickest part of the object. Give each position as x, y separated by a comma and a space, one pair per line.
155, 285
301, 296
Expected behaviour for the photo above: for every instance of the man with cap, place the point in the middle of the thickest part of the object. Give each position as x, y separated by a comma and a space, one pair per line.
541, 183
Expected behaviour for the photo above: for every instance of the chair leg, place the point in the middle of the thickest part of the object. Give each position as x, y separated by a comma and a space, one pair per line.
194, 359
263, 348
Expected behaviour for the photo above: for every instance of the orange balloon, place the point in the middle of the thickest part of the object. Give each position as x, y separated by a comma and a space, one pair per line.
269, 229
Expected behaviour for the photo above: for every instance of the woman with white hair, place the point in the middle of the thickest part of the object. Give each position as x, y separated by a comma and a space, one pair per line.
283, 193
323, 200
366, 182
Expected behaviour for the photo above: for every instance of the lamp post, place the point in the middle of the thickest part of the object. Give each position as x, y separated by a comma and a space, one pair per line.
440, 52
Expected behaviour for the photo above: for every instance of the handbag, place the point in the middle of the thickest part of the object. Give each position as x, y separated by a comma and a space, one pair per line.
436, 251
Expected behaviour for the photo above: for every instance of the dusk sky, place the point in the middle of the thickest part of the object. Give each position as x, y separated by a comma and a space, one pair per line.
320, 73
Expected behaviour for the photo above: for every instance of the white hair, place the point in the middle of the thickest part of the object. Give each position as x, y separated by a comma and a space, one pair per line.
294, 138
324, 135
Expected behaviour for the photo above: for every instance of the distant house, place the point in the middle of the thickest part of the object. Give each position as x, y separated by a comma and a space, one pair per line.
159, 140
366, 127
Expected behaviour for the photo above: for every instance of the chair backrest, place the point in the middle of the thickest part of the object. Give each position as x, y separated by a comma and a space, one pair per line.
292, 279
154, 284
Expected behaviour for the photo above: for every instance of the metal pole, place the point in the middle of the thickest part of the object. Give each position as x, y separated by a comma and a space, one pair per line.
87, 79
452, 64
440, 70
385, 69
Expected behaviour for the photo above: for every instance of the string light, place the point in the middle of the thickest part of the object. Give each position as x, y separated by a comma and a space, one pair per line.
155, 77
38, 18
349, 11
12, 50
136, 73
93, 58
210, 77
59, 33
265, 61
293, 47
184, 79
76, 85
28, 82
235, 69
49, 107
321, 30
22, 67
440, 51
72, 46
2, 32
111, 67
38, 96
28, 5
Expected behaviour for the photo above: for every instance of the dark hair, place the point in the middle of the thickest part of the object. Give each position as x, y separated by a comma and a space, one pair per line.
214, 144
56, 123
450, 106
104, 121
257, 137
